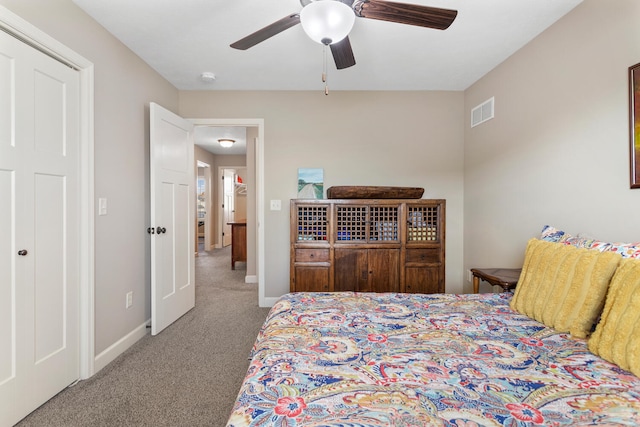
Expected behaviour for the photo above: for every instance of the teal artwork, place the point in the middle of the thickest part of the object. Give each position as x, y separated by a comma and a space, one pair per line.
310, 183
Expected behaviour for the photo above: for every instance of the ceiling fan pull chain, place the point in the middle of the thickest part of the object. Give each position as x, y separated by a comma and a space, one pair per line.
324, 69
324, 63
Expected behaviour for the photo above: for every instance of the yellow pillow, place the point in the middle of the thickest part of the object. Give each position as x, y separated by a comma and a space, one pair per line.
564, 287
617, 336
532, 286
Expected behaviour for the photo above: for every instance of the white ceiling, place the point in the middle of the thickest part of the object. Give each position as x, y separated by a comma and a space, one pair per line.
181, 39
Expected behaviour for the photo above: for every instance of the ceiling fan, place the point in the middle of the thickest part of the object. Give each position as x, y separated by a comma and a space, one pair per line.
322, 10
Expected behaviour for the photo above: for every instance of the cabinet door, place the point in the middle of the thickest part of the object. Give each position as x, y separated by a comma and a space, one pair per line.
423, 280
311, 279
351, 270
384, 272
367, 270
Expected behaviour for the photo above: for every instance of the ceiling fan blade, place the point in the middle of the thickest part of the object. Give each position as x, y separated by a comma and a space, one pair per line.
342, 54
267, 32
404, 13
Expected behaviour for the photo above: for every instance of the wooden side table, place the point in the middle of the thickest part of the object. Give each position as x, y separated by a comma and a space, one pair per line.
507, 278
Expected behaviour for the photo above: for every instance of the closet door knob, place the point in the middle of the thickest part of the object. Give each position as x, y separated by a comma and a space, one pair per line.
22, 252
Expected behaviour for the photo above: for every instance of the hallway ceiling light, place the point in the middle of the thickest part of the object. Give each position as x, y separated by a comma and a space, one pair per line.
226, 142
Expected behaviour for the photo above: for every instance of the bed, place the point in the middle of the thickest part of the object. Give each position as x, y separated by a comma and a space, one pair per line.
390, 359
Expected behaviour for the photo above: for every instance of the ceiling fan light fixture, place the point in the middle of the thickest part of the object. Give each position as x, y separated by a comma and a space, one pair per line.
327, 21
226, 142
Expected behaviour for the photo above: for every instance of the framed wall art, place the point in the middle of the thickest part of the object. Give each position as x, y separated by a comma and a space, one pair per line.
634, 123
310, 183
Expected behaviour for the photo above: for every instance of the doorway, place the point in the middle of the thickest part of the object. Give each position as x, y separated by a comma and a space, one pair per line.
227, 211
203, 207
255, 196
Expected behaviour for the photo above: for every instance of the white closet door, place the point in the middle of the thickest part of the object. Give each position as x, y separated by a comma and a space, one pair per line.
39, 230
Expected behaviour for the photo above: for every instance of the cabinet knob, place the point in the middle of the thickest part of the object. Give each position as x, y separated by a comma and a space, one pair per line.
22, 252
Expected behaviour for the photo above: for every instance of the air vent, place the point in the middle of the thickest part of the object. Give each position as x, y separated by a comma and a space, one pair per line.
482, 112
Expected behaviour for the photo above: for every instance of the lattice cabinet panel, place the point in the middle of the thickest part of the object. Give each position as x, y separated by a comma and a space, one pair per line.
423, 224
367, 223
312, 223
351, 223
384, 223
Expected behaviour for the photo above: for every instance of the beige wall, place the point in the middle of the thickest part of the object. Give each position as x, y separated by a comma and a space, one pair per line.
124, 86
358, 138
557, 151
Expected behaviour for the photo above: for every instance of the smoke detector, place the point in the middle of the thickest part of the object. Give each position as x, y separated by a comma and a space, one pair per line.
207, 77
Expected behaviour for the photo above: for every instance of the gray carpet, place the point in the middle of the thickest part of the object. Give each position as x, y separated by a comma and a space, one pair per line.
188, 375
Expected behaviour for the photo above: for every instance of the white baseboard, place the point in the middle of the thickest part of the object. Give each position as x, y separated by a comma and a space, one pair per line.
268, 301
119, 347
250, 279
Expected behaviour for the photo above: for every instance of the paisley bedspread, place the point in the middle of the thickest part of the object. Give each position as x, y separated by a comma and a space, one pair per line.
350, 359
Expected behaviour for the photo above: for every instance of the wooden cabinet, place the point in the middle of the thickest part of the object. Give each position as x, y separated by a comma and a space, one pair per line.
367, 245
312, 269
367, 270
238, 242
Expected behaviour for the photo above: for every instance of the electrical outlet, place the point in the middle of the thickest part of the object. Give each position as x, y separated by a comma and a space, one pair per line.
469, 276
276, 205
129, 301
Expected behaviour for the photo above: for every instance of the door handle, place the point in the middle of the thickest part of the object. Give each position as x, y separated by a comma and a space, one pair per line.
22, 252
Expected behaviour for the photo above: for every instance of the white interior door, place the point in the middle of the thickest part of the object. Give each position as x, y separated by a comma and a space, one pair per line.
39, 228
228, 204
172, 179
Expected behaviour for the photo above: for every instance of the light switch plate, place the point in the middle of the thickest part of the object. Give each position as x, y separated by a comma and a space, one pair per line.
102, 206
276, 205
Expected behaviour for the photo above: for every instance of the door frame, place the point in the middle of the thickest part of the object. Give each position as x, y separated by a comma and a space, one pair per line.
221, 201
207, 204
31, 35
259, 188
